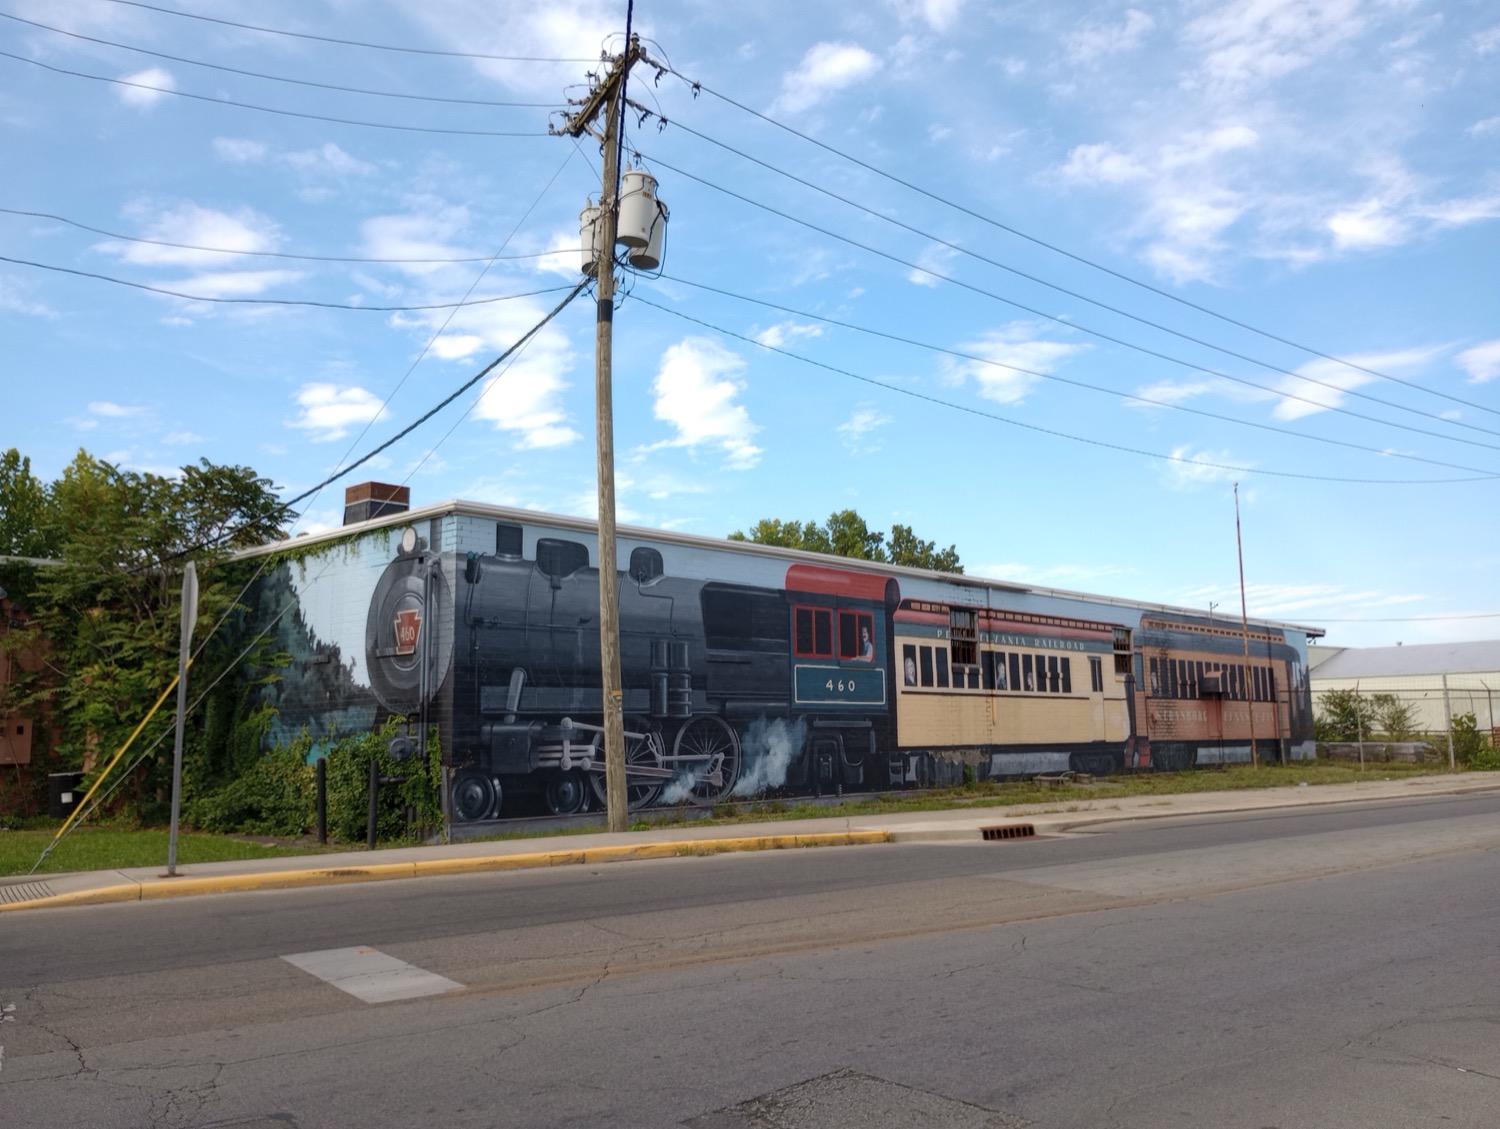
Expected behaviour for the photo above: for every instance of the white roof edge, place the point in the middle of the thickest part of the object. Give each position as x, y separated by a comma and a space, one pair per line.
697, 540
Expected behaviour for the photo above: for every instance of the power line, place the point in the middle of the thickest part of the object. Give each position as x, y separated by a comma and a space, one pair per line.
961, 355
280, 254
272, 77
967, 409
1415, 618
1078, 326
1055, 249
272, 109
278, 301
351, 42
959, 248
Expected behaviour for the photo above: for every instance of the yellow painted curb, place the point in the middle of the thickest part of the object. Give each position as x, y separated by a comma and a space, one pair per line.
379, 872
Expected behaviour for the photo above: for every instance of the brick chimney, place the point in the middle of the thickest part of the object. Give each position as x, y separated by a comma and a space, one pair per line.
374, 499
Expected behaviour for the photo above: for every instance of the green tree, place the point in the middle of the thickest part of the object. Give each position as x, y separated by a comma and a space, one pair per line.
1342, 715
846, 534
105, 618
908, 549
1392, 718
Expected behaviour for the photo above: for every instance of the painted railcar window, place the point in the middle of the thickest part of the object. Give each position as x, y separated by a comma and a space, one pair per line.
735, 619
926, 666
856, 636
1067, 674
1096, 675
1122, 650
814, 633
909, 664
994, 671
1028, 677
941, 654
963, 636
1015, 671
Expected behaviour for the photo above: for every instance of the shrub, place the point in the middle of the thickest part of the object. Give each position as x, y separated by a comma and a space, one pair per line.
274, 796
349, 785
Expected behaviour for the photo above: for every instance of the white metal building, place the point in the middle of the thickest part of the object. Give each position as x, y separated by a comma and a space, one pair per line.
1420, 674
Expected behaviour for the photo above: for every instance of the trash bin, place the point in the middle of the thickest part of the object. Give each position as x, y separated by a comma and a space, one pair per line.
64, 790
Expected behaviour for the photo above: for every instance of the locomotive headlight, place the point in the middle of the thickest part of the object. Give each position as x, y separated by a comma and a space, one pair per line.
409, 540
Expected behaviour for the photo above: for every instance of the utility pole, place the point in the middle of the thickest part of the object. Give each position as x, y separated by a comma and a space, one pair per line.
1248, 682
608, 97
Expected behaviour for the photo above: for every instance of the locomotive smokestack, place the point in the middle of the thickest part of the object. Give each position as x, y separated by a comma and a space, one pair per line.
374, 499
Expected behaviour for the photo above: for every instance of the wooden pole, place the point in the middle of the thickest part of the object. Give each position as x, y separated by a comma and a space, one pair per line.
1248, 682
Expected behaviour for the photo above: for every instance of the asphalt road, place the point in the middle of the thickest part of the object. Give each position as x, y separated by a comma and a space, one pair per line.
1315, 967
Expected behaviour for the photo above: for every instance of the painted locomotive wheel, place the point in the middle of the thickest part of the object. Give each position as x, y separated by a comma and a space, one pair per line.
643, 747
708, 748
475, 796
567, 794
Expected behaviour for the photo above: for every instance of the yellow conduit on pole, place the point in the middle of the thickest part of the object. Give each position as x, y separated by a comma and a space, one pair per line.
82, 804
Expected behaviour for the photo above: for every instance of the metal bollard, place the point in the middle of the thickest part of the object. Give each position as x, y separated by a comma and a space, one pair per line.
374, 802
321, 776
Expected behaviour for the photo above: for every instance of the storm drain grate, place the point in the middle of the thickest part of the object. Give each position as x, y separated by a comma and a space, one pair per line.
14, 893
1013, 831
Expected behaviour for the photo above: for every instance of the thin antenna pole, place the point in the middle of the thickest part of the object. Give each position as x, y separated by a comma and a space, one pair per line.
1248, 682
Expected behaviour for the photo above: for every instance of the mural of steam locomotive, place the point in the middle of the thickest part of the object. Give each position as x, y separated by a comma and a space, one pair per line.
747, 670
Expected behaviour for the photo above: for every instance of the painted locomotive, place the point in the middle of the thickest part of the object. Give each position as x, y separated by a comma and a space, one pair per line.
729, 689
828, 680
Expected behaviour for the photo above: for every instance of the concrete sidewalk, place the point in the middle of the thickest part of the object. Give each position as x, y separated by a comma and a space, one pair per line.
969, 823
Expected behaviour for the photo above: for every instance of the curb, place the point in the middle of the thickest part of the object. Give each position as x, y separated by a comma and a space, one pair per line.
430, 868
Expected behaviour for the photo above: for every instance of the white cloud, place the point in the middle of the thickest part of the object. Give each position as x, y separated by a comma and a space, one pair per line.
1461, 210
329, 411
825, 69
1335, 379
785, 333
1180, 392
558, 29
1246, 42
524, 399
860, 425
940, 15
1366, 224
12, 299
1482, 362
1003, 352
931, 265
111, 410
1487, 41
424, 235
330, 159
241, 232
239, 150
564, 255
1487, 125
696, 388
235, 284
1101, 164
1095, 40
1188, 469
148, 87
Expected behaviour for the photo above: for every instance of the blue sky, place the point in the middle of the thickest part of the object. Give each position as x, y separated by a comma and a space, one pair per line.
1295, 206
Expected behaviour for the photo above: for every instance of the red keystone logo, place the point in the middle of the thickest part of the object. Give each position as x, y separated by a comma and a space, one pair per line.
408, 627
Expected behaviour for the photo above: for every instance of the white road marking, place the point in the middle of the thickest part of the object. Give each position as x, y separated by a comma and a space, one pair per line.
370, 975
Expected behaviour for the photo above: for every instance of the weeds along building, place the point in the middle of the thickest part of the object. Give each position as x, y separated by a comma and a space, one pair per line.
747, 669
